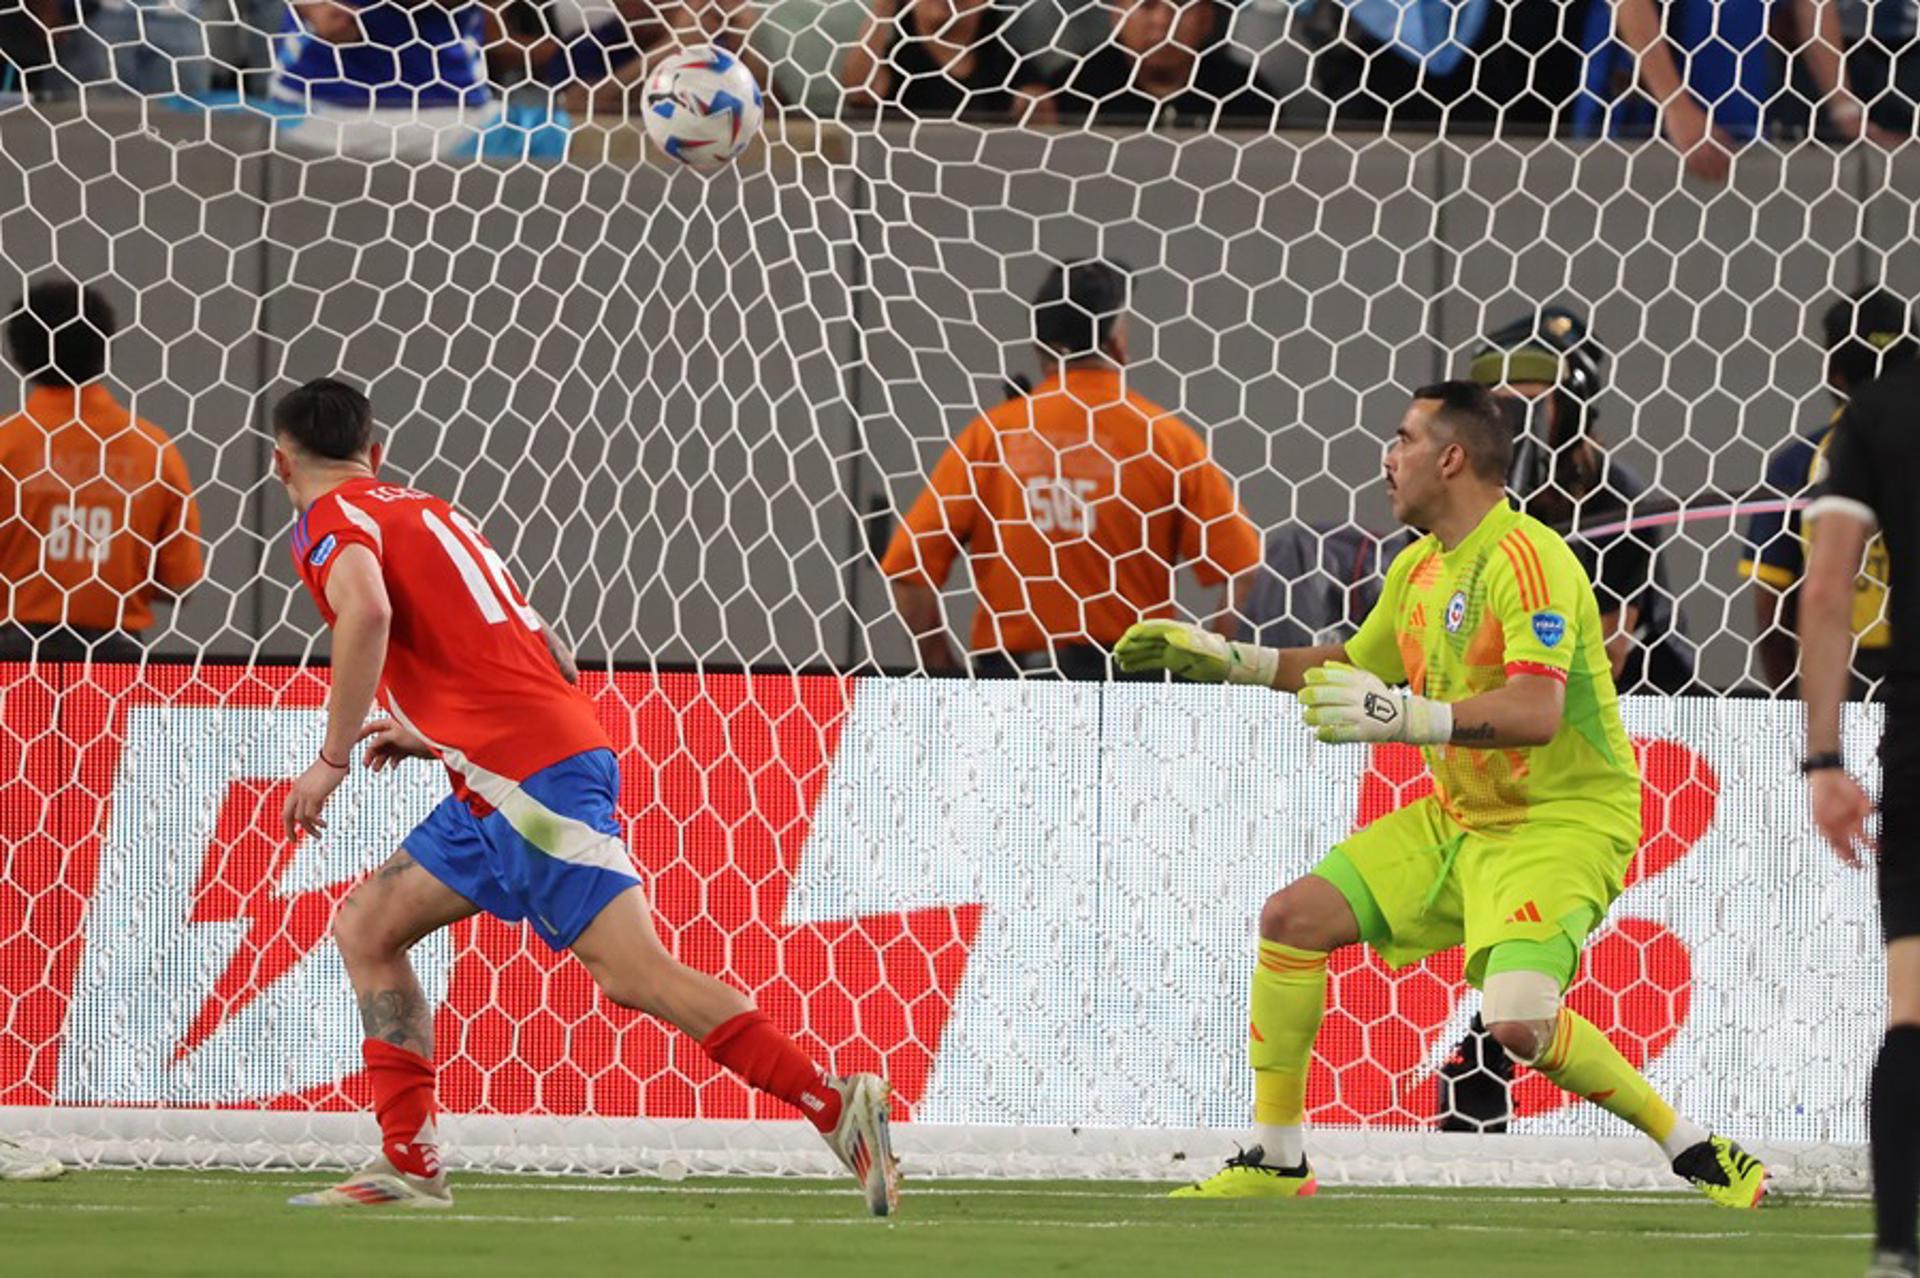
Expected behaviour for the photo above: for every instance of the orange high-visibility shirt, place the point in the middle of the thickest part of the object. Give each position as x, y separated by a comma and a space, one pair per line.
1075, 504
96, 511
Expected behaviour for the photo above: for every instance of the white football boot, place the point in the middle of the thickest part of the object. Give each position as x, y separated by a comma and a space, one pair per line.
863, 1142
17, 1162
381, 1184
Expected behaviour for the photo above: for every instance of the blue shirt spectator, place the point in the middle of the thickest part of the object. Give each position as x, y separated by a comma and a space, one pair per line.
1703, 73
1406, 61
382, 54
1436, 34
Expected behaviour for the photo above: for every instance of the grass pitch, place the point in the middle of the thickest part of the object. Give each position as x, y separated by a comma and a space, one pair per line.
217, 1223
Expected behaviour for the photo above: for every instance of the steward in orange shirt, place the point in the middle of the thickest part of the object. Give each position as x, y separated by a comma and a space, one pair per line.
97, 517
1074, 503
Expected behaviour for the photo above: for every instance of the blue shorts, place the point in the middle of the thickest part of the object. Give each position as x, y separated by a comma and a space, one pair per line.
550, 854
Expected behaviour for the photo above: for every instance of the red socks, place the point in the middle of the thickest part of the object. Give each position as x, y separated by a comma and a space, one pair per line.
751, 1047
403, 1102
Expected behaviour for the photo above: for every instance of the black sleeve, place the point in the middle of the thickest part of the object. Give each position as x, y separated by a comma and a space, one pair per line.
1854, 470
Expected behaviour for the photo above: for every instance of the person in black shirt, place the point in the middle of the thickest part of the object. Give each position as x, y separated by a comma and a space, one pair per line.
934, 59
1874, 454
1167, 61
1865, 333
1549, 367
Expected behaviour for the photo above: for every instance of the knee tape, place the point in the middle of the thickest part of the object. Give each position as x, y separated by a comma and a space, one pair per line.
1526, 997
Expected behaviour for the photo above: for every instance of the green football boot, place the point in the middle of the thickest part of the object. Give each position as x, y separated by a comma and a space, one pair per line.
1247, 1176
1724, 1172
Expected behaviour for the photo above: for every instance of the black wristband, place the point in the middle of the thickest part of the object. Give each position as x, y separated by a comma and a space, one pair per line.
1822, 762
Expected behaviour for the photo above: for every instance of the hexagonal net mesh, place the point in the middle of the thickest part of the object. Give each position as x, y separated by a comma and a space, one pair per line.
690, 413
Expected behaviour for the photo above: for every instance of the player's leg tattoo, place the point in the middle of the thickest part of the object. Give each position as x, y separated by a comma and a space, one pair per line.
397, 864
379, 922
399, 1016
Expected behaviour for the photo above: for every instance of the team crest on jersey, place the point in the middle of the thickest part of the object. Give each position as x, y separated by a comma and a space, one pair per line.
323, 551
1456, 612
1549, 628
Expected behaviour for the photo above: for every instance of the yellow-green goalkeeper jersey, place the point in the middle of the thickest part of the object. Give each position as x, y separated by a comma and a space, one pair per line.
1509, 599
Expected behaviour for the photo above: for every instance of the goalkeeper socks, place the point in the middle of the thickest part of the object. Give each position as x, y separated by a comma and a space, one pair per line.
1581, 1060
1893, 1124
749, 1045
403, 1102
1289, 1000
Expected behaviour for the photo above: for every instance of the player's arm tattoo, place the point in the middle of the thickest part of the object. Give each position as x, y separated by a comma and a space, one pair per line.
1472, 734
400, 1017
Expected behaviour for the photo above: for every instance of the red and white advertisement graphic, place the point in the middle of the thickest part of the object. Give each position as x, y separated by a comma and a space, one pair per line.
1028, 904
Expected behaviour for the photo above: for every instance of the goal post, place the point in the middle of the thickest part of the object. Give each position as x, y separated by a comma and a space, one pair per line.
681, 408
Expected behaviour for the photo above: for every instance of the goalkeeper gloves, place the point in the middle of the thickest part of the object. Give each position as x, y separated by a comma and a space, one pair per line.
1194, 653
1348, 705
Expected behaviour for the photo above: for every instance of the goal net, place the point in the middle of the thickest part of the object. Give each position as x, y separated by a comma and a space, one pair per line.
688, 411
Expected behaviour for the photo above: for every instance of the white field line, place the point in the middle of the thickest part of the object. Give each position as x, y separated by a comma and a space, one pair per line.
1016, 1222
473, 1218
934, 1189
51, 1205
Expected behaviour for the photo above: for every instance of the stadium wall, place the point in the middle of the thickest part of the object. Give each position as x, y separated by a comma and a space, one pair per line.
672, 401
1030, 904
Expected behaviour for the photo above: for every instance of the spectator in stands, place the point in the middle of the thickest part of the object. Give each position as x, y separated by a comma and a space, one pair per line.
384, 79
1075, 504
1164, 61
934, 58
1464, 61
588, 42
26, 47
1864, 334
1732, 74
148, 47
1550, 369
1883, 61
97, 518
151, 47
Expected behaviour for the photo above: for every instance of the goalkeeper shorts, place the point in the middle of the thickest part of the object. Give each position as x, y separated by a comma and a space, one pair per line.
555, 864
1434, 884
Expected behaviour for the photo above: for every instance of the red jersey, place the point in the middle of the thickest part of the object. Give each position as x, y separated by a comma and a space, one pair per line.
466, 667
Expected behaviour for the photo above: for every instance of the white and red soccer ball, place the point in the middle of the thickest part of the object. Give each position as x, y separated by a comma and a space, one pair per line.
702, 107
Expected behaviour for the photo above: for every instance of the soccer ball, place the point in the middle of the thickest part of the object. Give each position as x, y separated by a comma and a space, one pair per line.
702, 107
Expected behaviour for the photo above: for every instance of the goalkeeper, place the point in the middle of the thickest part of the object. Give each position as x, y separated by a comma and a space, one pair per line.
1492, 625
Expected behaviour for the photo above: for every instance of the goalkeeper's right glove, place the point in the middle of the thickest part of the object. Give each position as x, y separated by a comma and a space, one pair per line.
1194, 653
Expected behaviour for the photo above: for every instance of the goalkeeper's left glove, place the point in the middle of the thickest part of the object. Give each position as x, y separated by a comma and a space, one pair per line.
1346, 705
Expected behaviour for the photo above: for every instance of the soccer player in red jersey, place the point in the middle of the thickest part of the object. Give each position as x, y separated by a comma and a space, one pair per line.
425, 617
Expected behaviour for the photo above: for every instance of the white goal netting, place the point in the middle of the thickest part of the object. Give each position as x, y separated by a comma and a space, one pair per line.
689, 411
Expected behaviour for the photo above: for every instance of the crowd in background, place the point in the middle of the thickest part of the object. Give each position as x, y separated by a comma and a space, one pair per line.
1710, 75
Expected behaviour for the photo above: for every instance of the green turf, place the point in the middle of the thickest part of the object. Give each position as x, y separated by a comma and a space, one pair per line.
213, 1223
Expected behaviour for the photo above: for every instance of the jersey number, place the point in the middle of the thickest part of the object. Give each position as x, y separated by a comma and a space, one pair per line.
80, 534
1059, 505
494, 597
